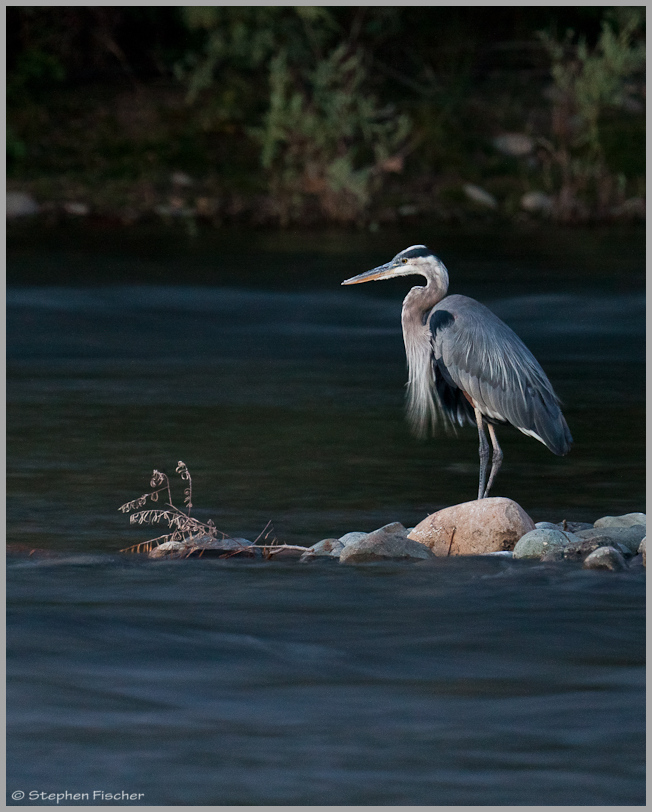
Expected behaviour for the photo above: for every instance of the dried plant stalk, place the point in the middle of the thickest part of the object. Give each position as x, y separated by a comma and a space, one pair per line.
184, 527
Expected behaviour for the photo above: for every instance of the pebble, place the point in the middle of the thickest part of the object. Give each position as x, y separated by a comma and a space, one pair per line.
605, 558
628, 520
537, 543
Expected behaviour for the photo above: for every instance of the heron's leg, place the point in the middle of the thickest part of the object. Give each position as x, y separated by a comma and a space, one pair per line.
496, 458
484, 452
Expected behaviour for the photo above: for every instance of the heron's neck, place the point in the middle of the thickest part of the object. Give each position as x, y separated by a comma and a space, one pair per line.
421, 407
421, 299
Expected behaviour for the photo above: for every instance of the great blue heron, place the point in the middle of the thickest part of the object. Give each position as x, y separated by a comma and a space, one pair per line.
467, 366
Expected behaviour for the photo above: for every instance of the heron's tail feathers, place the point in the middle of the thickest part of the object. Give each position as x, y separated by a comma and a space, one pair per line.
549, 425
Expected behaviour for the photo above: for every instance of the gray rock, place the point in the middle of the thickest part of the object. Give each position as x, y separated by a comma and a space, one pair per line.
480, 196
546, 526
641, 550
605, 558
168, 548
536, 202
537, 543
77, 209
574, 527
349, 538
555, 554
628, 520
636, 562
388, 543
516, 145
181, 179
200, 545
20, 204
325, 547
630, 537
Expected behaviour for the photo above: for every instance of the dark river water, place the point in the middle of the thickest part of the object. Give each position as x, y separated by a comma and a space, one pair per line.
470, 681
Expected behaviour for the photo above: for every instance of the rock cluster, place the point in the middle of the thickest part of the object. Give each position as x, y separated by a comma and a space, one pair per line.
495, 526
388, 543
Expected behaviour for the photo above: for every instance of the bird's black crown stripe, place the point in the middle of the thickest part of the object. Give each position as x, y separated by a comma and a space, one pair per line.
418, 251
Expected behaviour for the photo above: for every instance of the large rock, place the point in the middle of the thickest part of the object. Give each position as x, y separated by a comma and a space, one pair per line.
388, 543
474, 528
605, 558
628, 520
539, 542
629, 537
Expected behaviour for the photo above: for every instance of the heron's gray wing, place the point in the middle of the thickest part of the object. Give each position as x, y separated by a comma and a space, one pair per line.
482, 356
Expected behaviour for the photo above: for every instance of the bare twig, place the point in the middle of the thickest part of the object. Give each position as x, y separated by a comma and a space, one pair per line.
451, 541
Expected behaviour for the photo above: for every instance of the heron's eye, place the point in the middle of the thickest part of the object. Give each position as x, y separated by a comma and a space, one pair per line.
404, 261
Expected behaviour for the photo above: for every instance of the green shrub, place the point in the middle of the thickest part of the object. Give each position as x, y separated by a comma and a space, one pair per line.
595, 91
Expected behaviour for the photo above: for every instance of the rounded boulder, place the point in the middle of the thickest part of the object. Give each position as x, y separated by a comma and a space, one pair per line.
540, 542
388, 543
483, 526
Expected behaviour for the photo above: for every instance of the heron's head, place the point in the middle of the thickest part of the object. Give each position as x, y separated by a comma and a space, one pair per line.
417, 259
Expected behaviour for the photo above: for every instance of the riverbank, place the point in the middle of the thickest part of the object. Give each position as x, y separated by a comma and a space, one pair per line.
247, 129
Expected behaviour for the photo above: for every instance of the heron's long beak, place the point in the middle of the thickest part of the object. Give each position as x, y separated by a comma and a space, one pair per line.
385, 271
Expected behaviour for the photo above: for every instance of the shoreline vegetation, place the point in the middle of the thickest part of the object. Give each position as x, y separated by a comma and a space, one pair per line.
310, 116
